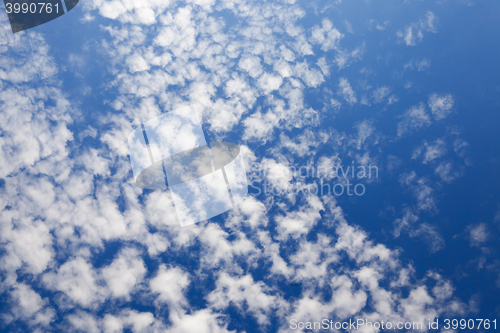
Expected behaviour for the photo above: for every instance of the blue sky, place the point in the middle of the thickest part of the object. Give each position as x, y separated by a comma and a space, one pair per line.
410, 87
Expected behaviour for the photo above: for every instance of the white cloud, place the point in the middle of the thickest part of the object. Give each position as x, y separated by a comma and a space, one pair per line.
259, 126
326, 35
379, 26
415, 118
423, 65
323, 65
29, 307
448, 172
404, 223
478, 234
435, 241
28, 243
296, 223
346, 91
344, 57
418, 307
421, 189
251, 212
441, 105
251, 64
125, 272
137, 63
139, 321
269, 83
311, 77
435, 150
83, 321
78, 280
414, 33
219, 250
380, 94
304, 143
311, 261
244, 293
144, 12
365, 130
238, 87
202, 321
346, 301
169, 284
29, 134
278, 174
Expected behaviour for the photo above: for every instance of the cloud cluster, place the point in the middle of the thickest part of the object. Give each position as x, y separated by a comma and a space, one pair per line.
84, 249
414, 33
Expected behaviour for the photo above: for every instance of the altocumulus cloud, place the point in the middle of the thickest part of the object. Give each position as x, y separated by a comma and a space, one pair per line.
63, 205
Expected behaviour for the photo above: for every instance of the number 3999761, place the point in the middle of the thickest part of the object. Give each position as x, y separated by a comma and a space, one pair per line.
32, 8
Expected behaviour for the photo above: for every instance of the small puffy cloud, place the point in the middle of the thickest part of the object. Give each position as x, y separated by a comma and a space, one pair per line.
323, 65
414, 33
346, 301
435, 241
381, 93
441, 105
415, 118
404, 223
252, 212
478, 234
303, 145
423, 65
460, 147
343, 57
300, 221
178, 33
244, 293
365, 130
269, 83
311, 77
169, 284
278, 174
29, 307
448, 172
137, 63
345, 90
219, 250
434, 151
240, 89
125, 272
202, 321
83, 322
28, 243
411, 35
326, 35
111, 324
78, 280
375, 24
421, 189
418, 307
251, 64
259, 126
144, 12
35, 126
431, 21
138, 321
